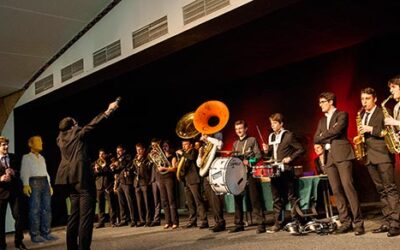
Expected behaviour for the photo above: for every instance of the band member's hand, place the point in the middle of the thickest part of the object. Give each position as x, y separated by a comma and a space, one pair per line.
265, 146
286, 160
5, 178
10, 172
391, 121
112, 107
366, 129
201, 151
204, 137
179, 152
246, 162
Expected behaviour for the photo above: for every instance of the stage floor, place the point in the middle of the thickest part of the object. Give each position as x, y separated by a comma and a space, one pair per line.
158, 238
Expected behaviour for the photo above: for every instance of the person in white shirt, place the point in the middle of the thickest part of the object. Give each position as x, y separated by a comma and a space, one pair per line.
37, 187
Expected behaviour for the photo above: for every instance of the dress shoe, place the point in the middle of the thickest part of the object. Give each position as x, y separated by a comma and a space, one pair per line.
49, 237
166, 226
37, 239
190, 225
343, 229
236, 229
359, 230
20, 246
218, 228
203, 225
148, 224
381, 229
393, 231
275, 228
100, 225
175, 226
260, 229
155, 223
133, 224
114, 225
122, 224
140, 224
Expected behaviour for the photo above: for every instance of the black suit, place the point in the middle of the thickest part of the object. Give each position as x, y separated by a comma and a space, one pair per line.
283, 187
104, 186
142, 168
339, 166
246, 148
11, 193
126, 194
381, 170
192, 188
75, 173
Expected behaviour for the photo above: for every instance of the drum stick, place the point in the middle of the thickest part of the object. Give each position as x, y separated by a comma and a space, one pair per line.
259, 133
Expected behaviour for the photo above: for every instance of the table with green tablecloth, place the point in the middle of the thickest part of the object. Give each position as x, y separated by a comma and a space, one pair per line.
307, 192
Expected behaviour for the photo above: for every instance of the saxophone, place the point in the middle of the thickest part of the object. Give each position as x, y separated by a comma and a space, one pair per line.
359, 140
390, 132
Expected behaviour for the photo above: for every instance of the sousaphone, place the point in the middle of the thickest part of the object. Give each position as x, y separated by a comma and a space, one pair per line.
209, 118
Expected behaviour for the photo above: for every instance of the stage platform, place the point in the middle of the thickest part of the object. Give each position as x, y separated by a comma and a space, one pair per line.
158, 238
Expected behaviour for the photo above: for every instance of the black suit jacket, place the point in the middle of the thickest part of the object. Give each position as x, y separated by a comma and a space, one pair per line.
142, 170
104, 177
190, 169
13, 187
377, 151
336, 135
288, 147
75, 166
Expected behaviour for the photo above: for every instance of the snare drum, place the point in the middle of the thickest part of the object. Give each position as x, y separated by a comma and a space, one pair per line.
262, 171
269, 170
227, 175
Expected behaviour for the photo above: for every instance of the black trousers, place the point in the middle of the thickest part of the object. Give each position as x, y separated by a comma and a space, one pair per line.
195, 203
340, 175
126, 198
15, 205
110, 197
157, 201
216, 202
283, 190
254, 191
143, 203
80, 222
383, 177
168, 201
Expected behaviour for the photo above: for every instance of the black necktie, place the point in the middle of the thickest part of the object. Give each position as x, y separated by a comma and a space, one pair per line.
366, 118
4, 161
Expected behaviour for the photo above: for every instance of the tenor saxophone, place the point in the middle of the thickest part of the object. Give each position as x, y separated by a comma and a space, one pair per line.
390, 133
359, 140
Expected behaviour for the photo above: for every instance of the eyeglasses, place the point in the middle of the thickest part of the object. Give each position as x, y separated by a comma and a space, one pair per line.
322, 101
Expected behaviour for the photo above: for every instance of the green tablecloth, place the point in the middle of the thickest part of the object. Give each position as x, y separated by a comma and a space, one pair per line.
307, 191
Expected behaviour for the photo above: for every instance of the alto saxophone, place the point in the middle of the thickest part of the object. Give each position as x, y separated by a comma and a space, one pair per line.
359, 140
390, 133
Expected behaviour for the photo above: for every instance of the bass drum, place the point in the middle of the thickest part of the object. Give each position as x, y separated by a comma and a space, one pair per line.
228, 175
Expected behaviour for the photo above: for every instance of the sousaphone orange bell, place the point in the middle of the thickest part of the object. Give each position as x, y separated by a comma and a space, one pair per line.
210, 117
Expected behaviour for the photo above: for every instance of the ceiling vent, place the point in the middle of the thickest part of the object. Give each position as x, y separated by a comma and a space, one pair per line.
72, 70
107, 53
150, 32
201, 8
44, 84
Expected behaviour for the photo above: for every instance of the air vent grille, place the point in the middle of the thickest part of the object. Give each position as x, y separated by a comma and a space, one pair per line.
150, 32
44, 84
107, 53
201, 8
72, 70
